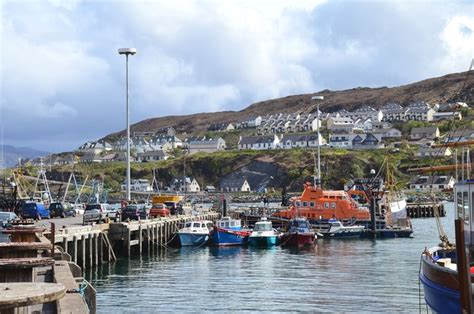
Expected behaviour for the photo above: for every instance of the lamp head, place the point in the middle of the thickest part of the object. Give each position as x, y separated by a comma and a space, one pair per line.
127, 51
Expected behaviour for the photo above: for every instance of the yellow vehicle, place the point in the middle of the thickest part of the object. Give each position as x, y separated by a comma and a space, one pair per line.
162, 199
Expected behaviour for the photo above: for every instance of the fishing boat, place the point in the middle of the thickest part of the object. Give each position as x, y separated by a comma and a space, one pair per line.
299, 234
263, 234
338, 230
440, 265
195, 233
228, 231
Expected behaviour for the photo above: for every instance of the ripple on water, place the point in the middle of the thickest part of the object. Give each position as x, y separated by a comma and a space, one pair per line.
335, 276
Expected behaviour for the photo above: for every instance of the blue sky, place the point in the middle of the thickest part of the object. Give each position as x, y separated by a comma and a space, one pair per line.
62, 81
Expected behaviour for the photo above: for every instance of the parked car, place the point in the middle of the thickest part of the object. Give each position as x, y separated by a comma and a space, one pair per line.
175, 208
34, 210
159, 210
135, 212
79, 208
95, 213
6, 218
61, 210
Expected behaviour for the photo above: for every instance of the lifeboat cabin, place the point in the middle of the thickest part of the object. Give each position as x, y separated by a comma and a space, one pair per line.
318, 204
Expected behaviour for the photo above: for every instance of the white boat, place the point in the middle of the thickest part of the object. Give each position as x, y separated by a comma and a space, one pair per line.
338, 230
263, 234
195, 233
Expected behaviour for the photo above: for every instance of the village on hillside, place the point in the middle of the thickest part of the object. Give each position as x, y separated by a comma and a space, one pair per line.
366, 128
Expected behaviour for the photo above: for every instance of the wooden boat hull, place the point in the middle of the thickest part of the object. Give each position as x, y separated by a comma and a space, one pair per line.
298, 239
190, 239
440, 286
221, 236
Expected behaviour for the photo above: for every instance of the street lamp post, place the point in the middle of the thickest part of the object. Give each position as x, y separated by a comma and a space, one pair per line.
127, 52
318, 178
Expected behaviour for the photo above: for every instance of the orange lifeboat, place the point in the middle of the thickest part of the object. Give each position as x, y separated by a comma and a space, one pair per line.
316, 203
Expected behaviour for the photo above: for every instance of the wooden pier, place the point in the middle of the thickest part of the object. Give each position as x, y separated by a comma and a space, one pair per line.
76, 249
425, 210
90, 246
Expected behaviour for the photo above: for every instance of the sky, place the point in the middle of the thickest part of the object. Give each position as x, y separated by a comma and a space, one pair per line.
63, 82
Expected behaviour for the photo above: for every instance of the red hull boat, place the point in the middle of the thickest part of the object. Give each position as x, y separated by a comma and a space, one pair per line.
299, 234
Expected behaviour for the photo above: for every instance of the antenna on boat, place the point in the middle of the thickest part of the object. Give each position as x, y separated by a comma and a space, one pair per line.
318, 121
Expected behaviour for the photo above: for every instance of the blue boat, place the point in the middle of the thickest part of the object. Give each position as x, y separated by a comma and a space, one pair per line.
439, 266
195, 233
263, 234
229, 231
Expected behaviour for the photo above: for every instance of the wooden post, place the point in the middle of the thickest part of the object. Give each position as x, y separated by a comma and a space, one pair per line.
74, 240
140, 238
65, 244
83, 245
126, 243
96, 249
462, 261
90, 250
53, 238
148, 238
101, 248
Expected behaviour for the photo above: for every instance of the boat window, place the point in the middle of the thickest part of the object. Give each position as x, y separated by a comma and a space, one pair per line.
465, 200
326, 205
197, 225
305, 204
188, 225
311, 204
333, 205
298, 204
226, 224
459, 205
263, 227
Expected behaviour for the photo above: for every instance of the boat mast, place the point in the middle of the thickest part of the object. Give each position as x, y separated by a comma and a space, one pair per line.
318, 177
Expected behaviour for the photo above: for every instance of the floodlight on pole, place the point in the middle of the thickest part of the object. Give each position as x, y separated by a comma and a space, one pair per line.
127, 52
318, 121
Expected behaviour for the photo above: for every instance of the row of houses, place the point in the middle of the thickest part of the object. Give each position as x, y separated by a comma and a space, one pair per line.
190, 185
418, 111
165, 143
361, 118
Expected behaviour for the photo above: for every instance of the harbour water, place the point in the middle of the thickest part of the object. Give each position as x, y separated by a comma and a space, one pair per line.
335, 276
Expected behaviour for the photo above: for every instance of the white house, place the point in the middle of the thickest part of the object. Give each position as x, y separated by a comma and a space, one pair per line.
289, 141
338, 124
235, 185
439, 116
153, 155
95, 147
432, 183
185, 184
259, 142
433, 152
430, 133
206, 145
419, 111
393, 112
250, 122
90, 158
356, 141
139, 185
459, 136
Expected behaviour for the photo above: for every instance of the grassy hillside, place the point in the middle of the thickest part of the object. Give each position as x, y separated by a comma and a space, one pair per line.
287, 168
448, 88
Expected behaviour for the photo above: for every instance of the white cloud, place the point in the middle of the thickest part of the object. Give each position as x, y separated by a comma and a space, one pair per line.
59, 58
458, 41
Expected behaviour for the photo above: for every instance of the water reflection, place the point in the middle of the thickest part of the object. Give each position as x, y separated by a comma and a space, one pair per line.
333, 276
